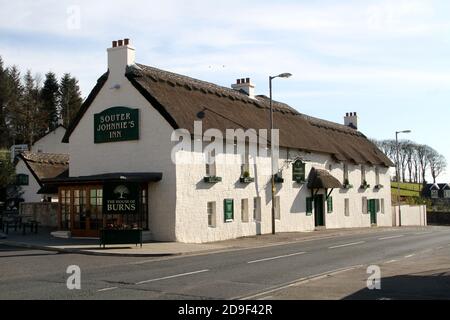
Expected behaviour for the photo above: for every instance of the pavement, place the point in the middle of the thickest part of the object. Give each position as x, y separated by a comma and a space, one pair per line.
44, 241
261, 268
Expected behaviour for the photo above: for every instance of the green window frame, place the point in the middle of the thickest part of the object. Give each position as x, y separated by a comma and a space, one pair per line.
330, 205
22, 179
228, 210
298, 171
309, 206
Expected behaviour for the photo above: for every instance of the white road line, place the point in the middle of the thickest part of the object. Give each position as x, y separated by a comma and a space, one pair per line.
391, 261
347, 245
174, 276
421, 233
296, 282
107, 289
393, 237
410, 256
279, 257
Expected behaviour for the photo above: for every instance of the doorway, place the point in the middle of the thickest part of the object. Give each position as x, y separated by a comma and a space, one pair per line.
319, 212
372, 207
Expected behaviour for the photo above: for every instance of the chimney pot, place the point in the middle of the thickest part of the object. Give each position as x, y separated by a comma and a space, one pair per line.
242, 80
247, 80
120, 43
238, 81
126, 41
114, 44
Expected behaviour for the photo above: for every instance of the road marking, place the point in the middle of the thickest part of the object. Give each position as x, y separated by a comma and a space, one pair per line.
410, 256
393, 237
174, 276
107, 289
347, 245
421, 233
297, 282
391, 261
279, 257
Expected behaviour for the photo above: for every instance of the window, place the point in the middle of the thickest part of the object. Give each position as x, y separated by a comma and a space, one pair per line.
330, 205
244, 210
382, 205
245, 167
447, 193
377, 176
298, 171
309, 206
277, 208
347, 207
65, 209
364, 205
363, 175
22, 180
434, 194
96, 204
257, 209
346, 180
211, 164
228, 210
211, 209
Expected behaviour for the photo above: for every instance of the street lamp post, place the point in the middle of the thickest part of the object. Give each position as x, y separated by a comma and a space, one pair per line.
283, 75
398, 175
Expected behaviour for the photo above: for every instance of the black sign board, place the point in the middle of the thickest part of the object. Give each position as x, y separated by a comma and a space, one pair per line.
121, 198
116, 124
298, 171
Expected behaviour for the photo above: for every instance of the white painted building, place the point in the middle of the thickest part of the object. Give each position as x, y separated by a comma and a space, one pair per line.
122, 138
48, 158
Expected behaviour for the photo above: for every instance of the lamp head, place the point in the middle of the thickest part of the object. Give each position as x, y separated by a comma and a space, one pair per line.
285, 75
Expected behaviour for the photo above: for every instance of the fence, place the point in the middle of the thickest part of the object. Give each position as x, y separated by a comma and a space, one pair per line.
44, 212
411, 215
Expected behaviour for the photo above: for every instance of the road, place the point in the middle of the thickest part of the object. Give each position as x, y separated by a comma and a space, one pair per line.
245, 273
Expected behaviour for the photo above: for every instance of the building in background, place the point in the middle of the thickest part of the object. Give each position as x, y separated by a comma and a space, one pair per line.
48, 158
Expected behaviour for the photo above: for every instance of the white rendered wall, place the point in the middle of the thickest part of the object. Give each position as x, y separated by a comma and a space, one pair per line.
30, 191
151, 153
51, 143
193, 195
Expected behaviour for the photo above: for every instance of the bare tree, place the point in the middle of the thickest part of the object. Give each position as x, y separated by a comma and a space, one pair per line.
437, 163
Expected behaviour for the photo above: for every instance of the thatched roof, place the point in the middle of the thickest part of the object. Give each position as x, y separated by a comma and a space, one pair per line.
322, 179
180, 100
45, 165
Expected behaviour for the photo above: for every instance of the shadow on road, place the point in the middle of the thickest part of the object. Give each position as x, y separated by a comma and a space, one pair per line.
430, 286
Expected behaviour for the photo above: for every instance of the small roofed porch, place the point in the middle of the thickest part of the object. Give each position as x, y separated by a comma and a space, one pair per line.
89, 204
321, 183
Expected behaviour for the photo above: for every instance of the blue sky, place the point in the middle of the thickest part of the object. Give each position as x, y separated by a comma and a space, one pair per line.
387, 60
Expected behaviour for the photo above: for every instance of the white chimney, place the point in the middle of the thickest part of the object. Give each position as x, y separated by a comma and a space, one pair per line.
246, 86
121, 55
351, 120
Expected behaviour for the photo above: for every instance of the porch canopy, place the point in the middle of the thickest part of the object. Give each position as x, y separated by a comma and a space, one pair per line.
64, 178
322, 179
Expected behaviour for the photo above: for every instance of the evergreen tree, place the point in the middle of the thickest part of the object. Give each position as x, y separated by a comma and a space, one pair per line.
49, 97
4, 132
30, 119
70, 98
14, 99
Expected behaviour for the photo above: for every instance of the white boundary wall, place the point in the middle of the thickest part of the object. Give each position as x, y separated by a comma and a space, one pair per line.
411, 215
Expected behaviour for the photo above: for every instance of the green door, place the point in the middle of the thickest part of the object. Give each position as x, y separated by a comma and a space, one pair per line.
372, 207
319, 211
